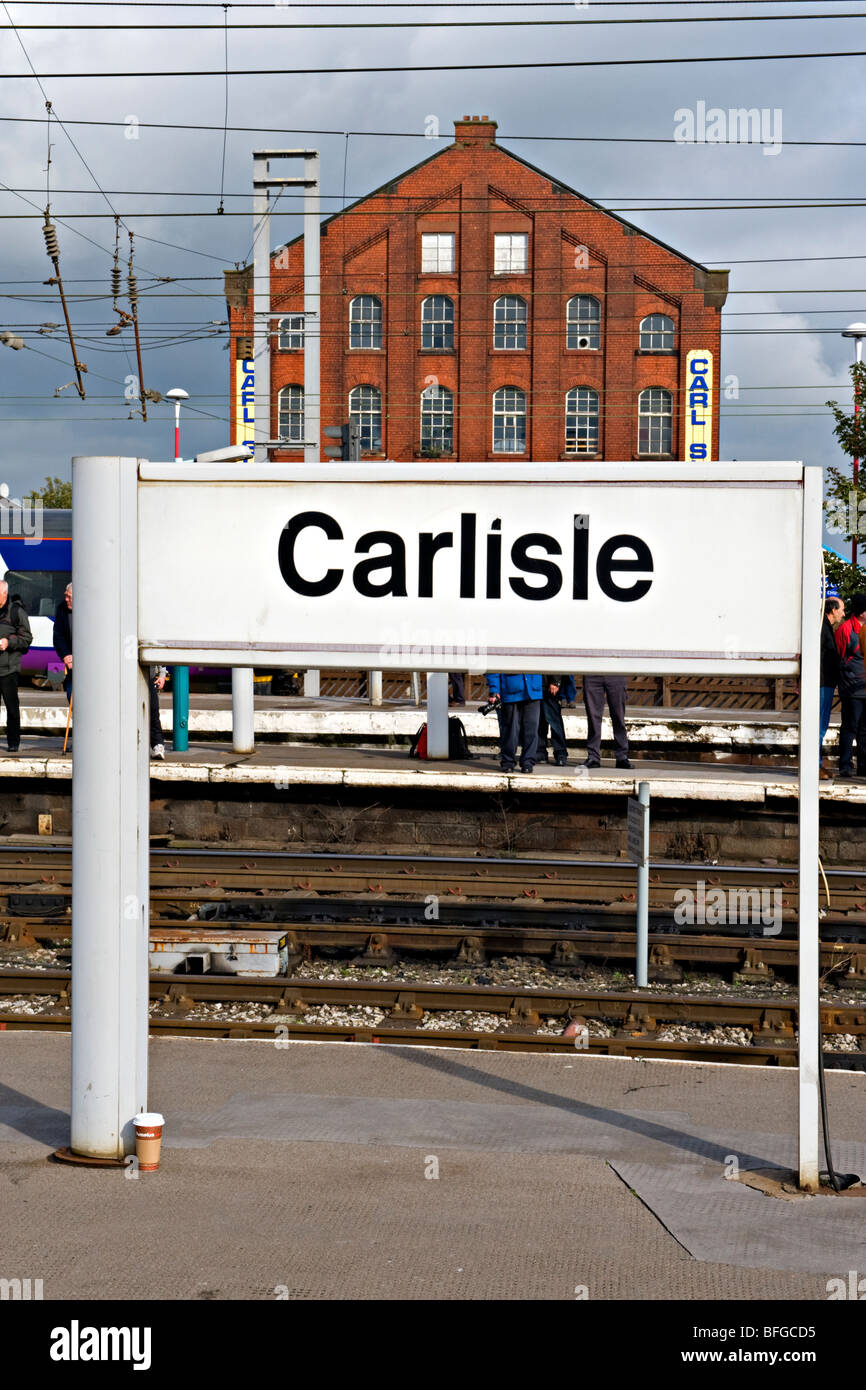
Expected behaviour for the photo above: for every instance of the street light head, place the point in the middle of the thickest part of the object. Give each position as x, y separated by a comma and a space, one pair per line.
232, 453
854, 330
178, 394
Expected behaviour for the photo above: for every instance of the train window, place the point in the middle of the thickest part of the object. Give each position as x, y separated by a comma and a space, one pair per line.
39, 590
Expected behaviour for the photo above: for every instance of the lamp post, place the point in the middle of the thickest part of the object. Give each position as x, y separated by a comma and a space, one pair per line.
177, 394
857, 331
179, 674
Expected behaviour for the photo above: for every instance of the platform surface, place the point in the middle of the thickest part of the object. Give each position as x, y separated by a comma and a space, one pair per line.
307, 1172
297, 717
288, 765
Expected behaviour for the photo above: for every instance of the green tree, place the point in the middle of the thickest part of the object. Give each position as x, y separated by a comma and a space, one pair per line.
56, 494
845, 505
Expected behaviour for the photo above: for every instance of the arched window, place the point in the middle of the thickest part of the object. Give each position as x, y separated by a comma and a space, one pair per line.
583, 322
655, 421
509, 421
365, 411
292, 414
509, 322
437, 322
365, 322
292, 333
581, 421
437, 420
657, 333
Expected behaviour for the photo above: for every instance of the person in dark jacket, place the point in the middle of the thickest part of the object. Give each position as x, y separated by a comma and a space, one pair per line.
63, 636
518, 702
558, 690
15, 639
834, 612
852, 689
595, 688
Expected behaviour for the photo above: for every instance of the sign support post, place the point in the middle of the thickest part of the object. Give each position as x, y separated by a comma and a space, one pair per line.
110, 815
811, 616
638, 850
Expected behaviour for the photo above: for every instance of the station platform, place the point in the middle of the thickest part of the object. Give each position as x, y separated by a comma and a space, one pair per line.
293, 766
323, 1171
296, 719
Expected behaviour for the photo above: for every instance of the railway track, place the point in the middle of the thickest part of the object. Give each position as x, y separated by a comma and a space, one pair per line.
636, 1021
48, 869
749, 959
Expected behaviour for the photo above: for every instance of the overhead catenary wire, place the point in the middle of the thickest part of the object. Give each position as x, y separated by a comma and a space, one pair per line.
579, 21
476, 68
422, 135
454, 213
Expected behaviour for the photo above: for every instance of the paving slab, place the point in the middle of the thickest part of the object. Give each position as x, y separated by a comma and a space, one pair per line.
364, 1171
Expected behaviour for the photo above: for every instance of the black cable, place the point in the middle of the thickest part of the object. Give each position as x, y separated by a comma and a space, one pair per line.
419, 135
444, 212
444, 67
387, 4
825, 1127
450, 23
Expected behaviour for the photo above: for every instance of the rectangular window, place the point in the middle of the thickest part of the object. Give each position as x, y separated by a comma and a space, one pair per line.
292, 333
509, 421
511, 253
437, 252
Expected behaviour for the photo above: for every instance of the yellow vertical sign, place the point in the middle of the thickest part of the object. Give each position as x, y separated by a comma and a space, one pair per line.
245, 402
699, 406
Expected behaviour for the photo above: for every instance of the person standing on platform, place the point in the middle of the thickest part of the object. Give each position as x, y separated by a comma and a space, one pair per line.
852, 689
518, 705
156, 680
834, 612
595, 688
458, 688
15, 639
558, 690
63, 637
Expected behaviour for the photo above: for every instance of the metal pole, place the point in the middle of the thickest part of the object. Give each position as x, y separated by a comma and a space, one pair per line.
437, 714
808, 955
243, 683
110, 791
641, 964
180, 708
312, 339
179, 674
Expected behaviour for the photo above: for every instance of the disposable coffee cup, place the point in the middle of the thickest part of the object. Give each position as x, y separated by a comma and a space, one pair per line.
148, 1140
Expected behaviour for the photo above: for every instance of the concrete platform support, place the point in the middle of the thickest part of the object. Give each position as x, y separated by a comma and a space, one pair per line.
110, 816
437, 714
243, 709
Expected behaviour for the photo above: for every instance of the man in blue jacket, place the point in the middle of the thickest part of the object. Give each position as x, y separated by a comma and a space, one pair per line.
518, 701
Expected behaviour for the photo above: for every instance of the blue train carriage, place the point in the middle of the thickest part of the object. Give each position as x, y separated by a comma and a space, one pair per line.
36, 562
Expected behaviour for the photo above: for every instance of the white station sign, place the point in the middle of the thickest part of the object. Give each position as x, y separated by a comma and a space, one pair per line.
617, 567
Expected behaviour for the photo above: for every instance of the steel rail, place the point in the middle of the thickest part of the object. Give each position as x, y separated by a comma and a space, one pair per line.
640, 1013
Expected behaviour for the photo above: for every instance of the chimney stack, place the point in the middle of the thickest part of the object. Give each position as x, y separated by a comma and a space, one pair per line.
475, 132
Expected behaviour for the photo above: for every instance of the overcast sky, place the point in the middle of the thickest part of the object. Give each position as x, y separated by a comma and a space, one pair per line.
819, 100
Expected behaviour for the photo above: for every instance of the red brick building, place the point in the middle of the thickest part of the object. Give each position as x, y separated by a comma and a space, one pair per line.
474, 308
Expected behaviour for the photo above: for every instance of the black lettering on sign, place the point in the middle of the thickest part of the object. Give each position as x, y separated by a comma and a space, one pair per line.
607, 563
534, 564
313, 588
395, 563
